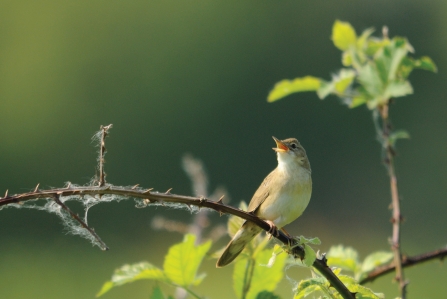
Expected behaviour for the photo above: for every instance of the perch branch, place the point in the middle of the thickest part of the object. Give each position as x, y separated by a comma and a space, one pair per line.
406, 262
155, 197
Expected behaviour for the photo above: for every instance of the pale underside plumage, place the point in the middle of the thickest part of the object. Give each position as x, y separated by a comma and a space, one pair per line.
281, 198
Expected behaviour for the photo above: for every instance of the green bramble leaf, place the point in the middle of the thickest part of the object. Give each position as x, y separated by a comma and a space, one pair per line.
314, 241
325, 89
360, 291
183, 260
267, 295
131, 273
399, 134
376, 259
396, 89
346, 58
309, 255
374, 44
426, 63
309, 286
343, 80
286, 87
265, 278
343, 35
157, 293
344, 257
370, 79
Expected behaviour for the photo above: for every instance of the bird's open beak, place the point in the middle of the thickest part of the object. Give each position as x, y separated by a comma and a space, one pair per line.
280, 147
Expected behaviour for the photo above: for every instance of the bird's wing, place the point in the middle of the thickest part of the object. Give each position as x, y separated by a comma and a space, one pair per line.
261, 194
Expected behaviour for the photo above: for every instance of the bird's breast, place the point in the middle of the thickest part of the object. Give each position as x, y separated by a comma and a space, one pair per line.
288, 199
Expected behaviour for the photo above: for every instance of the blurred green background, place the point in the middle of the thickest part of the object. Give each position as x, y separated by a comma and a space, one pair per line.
193, 76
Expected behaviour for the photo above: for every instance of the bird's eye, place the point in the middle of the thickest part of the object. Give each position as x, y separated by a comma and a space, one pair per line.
293, 145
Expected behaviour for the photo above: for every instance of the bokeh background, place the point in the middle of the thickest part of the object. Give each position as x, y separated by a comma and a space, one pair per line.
193, 76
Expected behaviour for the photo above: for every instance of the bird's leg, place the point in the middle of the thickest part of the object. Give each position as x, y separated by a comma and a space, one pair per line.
273, 231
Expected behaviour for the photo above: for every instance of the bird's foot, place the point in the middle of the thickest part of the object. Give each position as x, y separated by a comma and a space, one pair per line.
273, 231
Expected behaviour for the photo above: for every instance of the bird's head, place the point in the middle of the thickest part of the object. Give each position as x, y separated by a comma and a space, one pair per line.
290, 151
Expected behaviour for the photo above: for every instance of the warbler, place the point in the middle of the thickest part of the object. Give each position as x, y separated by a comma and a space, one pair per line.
280, 199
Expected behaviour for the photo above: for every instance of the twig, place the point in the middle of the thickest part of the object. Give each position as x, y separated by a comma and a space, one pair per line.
102, 152
406, 262
154, 197
57, 200
396, 218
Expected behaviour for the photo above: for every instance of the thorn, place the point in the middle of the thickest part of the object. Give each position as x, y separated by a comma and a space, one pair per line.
37, 188
148, 190
134, 187
220, 199
6, 194
68, 186
324, 259
189, 207
202, 199
221, 213
169, 191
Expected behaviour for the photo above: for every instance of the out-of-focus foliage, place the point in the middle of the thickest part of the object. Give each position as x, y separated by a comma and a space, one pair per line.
179, 268
376, 70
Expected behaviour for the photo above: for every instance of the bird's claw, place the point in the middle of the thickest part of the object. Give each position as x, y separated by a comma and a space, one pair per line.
273, 231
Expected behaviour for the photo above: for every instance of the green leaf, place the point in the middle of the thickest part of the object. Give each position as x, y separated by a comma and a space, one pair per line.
399, 134
399, 49
343, 80
346, 58
326, 88
343, 35
375, 44
131, 273
343, 257
309, 286
304, 240
376, 259
398, 89
287, 87
364, 292
370, 80
157, 293
264, 278
267, 295
426, 63
183, 260
362, 41
309, 255
358, 100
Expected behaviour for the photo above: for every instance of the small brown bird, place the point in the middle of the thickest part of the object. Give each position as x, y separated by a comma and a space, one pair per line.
282, 197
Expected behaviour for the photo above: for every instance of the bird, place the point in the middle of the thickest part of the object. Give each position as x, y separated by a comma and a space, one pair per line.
280, 199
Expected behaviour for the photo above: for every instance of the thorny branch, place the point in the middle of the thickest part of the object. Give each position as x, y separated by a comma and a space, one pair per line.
57, 200
155, 198
149, 197
395, 202
102, 152
406, 262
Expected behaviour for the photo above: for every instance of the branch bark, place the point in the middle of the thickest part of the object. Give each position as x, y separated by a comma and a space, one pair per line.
152, 197
406, 262
395, 202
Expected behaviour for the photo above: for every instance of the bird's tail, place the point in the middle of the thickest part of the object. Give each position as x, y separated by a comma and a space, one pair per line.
243, 236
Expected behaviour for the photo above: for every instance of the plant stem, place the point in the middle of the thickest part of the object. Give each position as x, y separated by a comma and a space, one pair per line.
248, 276
395, 202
